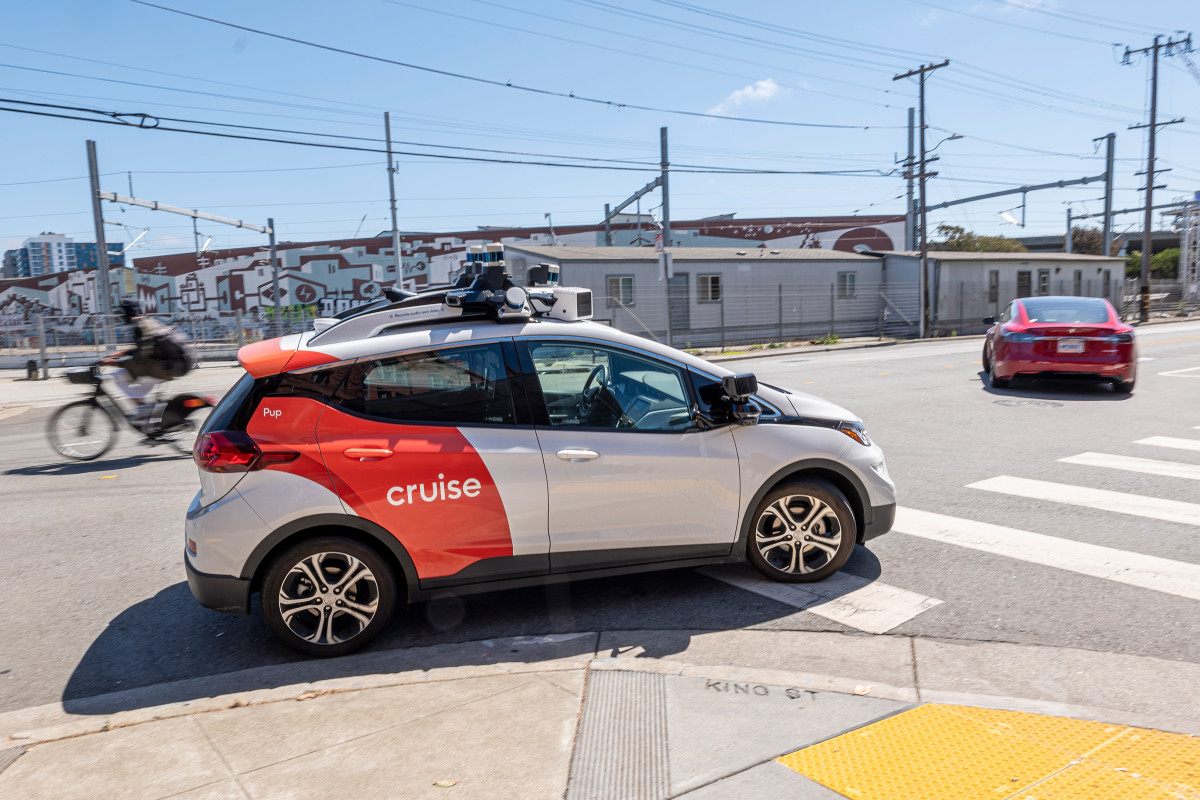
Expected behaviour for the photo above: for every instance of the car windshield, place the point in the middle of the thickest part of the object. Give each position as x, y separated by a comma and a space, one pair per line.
1068, 310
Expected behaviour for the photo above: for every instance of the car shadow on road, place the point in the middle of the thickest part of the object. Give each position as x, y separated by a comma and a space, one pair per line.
1054, 389
88, 467
168, 649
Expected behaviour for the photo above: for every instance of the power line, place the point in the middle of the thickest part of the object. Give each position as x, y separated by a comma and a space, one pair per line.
1009, 23
149, 122
504, 84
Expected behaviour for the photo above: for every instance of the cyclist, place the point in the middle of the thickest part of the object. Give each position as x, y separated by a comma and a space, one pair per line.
158, 355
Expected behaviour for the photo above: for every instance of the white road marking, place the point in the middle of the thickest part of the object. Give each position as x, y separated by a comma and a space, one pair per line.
1168, 469
1147, 358
1171, 441
1178, 578
856, 602
1178, 373
1119, 502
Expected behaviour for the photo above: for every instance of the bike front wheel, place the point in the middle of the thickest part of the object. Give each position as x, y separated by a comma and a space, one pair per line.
82, 430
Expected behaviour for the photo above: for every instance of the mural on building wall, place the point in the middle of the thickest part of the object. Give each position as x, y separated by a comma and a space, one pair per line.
335, 275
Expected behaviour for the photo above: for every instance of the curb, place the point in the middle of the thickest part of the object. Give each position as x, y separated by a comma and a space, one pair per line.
52, 722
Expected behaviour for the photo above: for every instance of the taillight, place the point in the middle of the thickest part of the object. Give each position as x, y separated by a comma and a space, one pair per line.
235, 451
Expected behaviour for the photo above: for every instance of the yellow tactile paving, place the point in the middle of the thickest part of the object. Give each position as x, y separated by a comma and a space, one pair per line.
961, 753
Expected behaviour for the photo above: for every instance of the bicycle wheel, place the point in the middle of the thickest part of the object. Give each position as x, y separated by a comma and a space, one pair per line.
183, 436
82, 430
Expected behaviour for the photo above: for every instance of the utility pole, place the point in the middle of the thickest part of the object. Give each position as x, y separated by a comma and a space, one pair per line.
910, 236
666, 194
921, 176
387, 128
103, 290
1152, 130
607, 226
1110, 143
1068, 244
275, 279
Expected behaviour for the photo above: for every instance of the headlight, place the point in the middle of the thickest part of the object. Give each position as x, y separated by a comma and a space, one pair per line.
855, 431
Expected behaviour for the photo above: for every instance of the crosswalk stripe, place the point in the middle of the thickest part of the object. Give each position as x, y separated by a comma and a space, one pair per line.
1118, 502
1171, 441
856, 602
1178, 578
1167, 469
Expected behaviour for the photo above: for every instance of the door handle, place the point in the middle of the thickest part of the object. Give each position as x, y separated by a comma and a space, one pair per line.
367, 453
576, 454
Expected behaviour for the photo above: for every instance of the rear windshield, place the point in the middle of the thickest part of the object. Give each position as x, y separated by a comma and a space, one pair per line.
1067, 310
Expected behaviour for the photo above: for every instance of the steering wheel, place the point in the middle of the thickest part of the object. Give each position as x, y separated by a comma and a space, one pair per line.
587, 397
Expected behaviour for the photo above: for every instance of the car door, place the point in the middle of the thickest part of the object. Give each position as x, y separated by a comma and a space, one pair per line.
429, 445
631, 478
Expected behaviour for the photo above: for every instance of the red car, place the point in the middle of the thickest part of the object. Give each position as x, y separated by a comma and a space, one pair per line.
1041, 337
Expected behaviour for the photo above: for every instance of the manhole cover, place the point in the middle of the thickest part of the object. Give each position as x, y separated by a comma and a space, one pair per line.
1029, 403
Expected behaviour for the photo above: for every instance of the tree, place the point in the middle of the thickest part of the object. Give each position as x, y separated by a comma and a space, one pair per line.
956, 238
1164, 266
1090, 241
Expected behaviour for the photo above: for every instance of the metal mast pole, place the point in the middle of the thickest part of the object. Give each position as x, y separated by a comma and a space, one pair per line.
1068, 242
607, 226
1106, 246
387, 127
910, 239
666, 194
275, 279
103, 290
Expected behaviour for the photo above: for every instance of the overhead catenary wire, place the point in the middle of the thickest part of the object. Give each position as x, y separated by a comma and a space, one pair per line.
508, 84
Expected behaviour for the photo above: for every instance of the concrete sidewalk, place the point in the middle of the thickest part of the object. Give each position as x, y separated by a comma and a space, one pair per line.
584, 716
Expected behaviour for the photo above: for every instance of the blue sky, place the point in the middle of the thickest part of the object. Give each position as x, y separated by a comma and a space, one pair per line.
1030, 84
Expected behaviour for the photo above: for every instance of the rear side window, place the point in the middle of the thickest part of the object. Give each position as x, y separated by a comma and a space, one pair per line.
462, 385
222, 417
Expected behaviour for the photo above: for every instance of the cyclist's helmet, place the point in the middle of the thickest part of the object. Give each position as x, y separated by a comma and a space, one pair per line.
129, 309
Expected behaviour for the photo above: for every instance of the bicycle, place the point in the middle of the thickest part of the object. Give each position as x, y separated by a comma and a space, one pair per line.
87, 428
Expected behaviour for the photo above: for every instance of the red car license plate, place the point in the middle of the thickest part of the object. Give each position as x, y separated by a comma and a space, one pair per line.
1070, 345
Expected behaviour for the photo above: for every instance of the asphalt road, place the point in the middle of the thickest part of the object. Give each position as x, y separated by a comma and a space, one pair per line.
95, 600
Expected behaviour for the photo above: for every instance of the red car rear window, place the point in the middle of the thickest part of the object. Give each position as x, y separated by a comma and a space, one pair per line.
1066, 310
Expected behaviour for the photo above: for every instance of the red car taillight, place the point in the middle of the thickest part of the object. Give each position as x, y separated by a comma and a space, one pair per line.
235, 451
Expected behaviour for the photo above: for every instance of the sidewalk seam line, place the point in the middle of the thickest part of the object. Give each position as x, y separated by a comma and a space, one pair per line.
232, 772
912, 648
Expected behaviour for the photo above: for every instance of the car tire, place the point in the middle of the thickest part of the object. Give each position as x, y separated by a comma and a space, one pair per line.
987, 362
1123, 387
328, 596
801, 532
997, 383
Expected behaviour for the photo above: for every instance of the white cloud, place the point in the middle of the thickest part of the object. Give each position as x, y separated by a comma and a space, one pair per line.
757, 92
931, 16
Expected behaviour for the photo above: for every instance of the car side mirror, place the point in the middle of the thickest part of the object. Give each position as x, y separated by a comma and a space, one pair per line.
989, 320
738, 390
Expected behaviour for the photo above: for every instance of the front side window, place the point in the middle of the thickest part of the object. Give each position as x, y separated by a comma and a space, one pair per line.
620, 290
709, 287
846, 284
591, 386
459, 385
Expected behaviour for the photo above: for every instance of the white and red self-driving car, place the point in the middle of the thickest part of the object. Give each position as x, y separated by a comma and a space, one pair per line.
488, 437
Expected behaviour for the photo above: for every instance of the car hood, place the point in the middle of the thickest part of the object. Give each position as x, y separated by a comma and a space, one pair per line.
805, 405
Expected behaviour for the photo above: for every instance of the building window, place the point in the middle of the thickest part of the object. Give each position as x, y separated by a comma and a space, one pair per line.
1043, 282
709, 287
1078, 282
994, 286
846, 284
1107, 282
1024, 283
620, 290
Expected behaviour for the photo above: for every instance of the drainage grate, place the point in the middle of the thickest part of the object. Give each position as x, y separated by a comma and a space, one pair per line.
7, 757
1029, 403
621, 749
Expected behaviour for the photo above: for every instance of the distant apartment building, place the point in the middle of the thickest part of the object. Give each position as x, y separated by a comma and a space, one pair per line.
48, 253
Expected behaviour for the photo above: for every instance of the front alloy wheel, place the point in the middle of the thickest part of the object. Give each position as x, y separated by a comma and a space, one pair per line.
328, 596
802, 532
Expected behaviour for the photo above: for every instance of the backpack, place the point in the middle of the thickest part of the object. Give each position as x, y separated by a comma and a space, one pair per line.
175, 351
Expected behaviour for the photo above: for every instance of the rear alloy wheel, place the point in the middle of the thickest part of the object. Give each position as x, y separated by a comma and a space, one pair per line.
802, 532
328, 596
997, 383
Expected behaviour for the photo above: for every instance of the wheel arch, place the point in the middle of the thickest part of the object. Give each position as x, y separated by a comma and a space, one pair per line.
355, 528
838, 475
